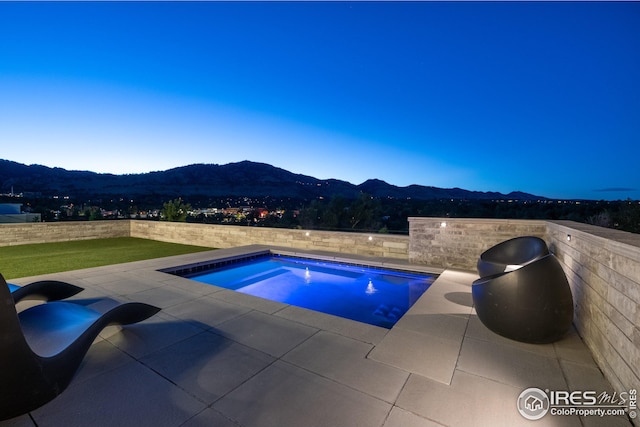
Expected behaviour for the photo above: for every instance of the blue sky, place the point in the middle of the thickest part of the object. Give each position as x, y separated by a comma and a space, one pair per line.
501, 96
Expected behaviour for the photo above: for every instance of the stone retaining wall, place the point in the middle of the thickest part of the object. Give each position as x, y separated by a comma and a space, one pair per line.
225, 236
215, 236
457, 243
603, 268
44, 232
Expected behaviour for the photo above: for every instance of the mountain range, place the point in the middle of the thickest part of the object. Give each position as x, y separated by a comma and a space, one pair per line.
242, 179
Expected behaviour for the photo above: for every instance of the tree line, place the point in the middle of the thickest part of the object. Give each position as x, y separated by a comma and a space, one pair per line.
363, 214
369, 214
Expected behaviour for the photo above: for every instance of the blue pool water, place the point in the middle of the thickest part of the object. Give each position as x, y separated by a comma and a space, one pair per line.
371, 295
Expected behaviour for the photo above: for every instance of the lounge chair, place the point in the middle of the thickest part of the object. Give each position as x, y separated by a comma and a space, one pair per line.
511, 255
47, 290
43, 346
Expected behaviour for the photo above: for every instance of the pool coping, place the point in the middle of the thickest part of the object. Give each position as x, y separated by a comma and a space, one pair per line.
188, 271
412, 333
391, 264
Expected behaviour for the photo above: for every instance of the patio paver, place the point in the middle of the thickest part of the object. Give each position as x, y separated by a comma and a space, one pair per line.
131, 395
344, 359
207, 366
287, 396
213, 357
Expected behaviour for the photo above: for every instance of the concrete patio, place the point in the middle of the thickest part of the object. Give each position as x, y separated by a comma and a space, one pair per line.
214, 357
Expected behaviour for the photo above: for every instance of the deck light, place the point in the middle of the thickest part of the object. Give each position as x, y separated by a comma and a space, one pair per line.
306, 234
568, 237
443, 224
370, 238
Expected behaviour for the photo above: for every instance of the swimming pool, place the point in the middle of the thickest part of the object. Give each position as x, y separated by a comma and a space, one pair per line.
366, 294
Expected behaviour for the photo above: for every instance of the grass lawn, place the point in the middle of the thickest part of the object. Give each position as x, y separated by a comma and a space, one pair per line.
33, 260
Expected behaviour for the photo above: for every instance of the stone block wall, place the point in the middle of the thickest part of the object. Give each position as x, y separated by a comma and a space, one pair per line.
457, 243
603, 268
44, 232
215, 236
225, 236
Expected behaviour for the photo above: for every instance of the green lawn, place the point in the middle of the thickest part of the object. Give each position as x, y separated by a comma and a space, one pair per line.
32, 260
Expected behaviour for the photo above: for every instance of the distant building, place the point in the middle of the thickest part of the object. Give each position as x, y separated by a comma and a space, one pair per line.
11, 213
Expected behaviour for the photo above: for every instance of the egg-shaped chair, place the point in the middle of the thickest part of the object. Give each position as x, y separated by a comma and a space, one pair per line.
531, 304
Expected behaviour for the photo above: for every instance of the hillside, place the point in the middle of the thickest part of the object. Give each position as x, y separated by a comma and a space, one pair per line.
242, 179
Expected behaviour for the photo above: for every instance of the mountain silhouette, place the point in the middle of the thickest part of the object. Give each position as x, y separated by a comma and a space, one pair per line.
241, 179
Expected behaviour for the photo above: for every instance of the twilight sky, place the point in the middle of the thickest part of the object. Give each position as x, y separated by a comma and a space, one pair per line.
539, 97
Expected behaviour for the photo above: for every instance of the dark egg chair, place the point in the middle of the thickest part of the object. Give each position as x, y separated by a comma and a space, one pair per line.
531, 304
42, 347
511, 254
